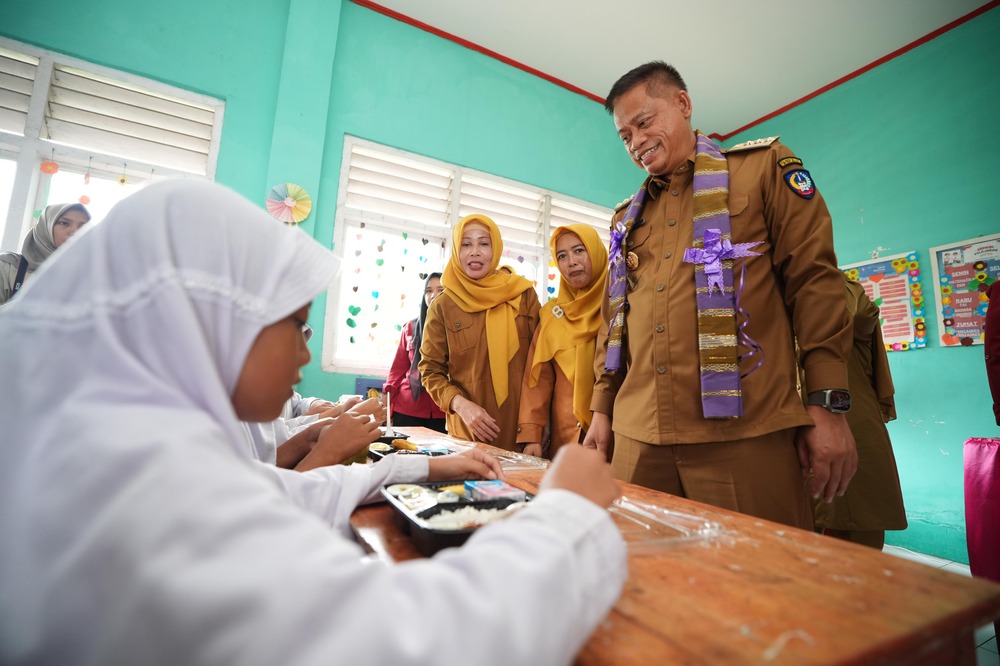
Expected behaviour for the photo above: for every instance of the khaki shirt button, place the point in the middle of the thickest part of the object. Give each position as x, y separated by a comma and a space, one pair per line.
458, 324
673, 192
661, 369
659, 287
672, 222
667, 255
519, 428
577, 424
659, 329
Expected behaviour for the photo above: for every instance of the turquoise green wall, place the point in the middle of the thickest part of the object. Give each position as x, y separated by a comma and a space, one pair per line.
914, 144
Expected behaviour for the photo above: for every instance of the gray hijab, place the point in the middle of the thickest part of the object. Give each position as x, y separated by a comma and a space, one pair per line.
40, 243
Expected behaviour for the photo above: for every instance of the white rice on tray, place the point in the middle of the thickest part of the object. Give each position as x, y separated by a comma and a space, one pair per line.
464, 518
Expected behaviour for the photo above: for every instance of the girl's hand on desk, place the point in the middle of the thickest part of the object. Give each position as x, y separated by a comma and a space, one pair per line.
320, 406
339, 408
471, 464
370, 406
584, 472
347, 436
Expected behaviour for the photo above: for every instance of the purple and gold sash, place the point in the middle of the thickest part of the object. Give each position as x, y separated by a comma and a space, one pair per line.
618, 282
712, 253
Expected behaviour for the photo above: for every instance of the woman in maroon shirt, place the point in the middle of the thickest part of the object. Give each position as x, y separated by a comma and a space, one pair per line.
411, 406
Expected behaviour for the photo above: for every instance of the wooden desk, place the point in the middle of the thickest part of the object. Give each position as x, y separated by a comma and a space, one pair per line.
763, 594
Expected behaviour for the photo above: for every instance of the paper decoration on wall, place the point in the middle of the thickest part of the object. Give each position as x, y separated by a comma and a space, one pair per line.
84, 199
49, 167
962, 272
893, 284
387, 267
289, 203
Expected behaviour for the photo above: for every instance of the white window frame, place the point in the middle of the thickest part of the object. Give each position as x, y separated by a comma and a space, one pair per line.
30, 149
347, 218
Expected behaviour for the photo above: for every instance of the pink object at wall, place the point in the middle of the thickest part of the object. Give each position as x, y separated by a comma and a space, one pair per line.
982, 506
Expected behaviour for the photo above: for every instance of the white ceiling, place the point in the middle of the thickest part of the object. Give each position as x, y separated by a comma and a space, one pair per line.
741, 59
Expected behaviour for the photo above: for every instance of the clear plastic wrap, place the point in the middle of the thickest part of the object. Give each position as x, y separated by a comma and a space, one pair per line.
647, 527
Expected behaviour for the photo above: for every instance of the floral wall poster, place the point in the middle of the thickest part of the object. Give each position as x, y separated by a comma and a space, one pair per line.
893, 284
962, 272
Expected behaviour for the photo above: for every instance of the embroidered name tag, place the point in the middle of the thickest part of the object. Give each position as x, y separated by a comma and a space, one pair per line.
788, 161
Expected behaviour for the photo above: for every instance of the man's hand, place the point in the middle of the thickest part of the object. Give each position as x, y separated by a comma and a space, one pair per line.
827, 453
533, 450
599, 435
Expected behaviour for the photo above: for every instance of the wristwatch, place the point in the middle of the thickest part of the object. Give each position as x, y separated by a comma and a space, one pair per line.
837, 401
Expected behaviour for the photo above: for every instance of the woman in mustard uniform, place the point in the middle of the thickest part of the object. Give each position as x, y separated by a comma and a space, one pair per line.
476, 337
559, 378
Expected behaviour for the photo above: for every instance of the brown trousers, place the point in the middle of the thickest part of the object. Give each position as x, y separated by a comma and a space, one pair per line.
760, 476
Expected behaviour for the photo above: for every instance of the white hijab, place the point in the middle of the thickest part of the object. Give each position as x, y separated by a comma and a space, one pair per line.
157, 305
133, 341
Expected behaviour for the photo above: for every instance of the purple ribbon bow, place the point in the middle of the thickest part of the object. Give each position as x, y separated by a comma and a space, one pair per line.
714, 251
617, 238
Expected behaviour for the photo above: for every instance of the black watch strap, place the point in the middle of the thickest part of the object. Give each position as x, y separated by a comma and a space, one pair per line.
837, 401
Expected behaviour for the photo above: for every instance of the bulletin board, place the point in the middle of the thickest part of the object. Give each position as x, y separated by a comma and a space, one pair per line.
962, 272
893, 284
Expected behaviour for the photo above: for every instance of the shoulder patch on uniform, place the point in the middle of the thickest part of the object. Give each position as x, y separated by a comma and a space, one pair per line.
623, 204
800, 182
788, 161
751, 145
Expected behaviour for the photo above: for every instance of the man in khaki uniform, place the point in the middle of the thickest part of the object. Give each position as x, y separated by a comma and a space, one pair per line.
684, 421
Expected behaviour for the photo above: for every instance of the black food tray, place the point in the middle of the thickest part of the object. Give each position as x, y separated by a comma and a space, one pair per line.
429, 540
378, 455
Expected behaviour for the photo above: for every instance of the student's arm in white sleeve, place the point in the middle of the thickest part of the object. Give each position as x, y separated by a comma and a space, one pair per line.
333, 492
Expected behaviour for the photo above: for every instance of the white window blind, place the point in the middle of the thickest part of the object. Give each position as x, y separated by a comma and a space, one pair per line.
17, 76
563, 212
392, 186
395, 212
91, 112
517, 211
94, 121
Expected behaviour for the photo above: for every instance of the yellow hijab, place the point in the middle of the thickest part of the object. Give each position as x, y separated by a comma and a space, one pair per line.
498, 293
571, 338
